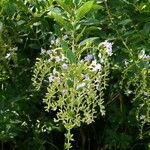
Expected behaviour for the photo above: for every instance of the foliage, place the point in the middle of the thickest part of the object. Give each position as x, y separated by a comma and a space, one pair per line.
35, 35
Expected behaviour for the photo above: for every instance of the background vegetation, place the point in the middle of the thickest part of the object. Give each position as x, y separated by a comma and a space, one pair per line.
31, 27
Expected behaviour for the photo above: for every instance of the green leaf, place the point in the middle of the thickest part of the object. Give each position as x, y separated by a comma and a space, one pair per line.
125, 22
97, 7
80, 34
69, 3
10, 9
146, 28
68, 52
60, 20
77, 2
88, 40
65, 6
70, 83
84, 9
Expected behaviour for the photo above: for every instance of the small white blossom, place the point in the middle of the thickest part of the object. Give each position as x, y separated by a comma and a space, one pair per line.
81, 61
126, 63
57, 41
57, 58
8, 55
57, 79
66, 37
141, 54
94, 63
100, 58
97, 82
51, 57
87, 78
145, 94
63, 57
142, 117
146, 56
52, 42
43, 51
98, 67
54, 71
64, 66
64, 92
53, 51
50, 79
95, 66
80, 85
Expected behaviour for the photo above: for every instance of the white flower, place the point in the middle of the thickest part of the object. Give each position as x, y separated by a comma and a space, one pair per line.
54, 71
146, 56
98, 67
50, 79
100, 58
52, 42
66, 37
142, 117
64, 92
126, 63
57, 41
8, 55
81, 61
80, 85
64, 66
51, 57
95, 66
63, 57
57, 79
94, 63
108, 47
57, 58
43, 51
145, 94
87, 78
53, 51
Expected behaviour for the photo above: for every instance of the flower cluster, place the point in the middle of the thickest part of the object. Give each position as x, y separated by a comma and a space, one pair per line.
143, 55
95, 66
146, 56
108, 46
59, 63
89, 66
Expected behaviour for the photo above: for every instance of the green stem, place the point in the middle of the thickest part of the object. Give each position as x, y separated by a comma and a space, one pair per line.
73, 37
68, 140
2, 145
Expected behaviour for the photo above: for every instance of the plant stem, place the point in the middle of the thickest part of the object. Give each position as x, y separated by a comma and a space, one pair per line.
68, 140
2, 145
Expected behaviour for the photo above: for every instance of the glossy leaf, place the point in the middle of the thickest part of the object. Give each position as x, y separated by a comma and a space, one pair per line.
84, 9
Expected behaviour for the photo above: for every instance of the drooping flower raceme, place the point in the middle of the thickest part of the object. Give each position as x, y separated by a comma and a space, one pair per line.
74, 89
